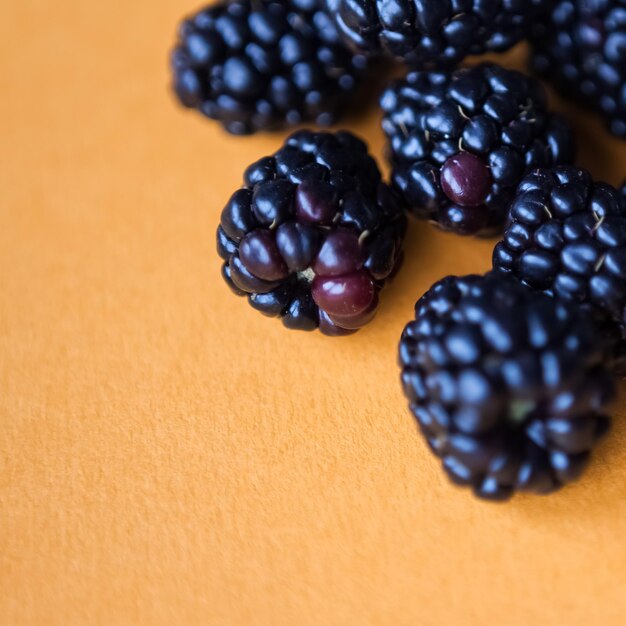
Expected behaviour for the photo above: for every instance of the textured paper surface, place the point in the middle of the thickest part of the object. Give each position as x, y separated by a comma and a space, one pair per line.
167, 455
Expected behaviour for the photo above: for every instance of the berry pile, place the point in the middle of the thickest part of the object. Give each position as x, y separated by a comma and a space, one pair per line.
261, 64
460, 143
314, 234
509, 386
436, 32
510, 374
582, 49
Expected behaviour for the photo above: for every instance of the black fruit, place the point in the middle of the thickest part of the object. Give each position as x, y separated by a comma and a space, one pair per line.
567, 237
429, 33
460, 143
314, 234
509, 386
581, 48
261, 64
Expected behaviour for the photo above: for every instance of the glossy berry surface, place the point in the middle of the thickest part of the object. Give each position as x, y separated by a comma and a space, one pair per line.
581, 48
429, 33
460, 142
466, 180
509, 386
314, 235
340, 254
259, 253
344, 296
262, 64
567, 237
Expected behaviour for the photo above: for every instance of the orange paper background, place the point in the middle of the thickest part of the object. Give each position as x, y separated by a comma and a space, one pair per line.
169, 456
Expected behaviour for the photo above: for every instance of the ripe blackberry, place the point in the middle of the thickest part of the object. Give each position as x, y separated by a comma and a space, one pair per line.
460, 142
567, 237
429, 33
581, 47
508, 385
314, 234
260, 64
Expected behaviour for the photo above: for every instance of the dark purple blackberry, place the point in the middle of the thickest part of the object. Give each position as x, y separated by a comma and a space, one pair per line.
260, 64
567, 237
581, 47
314, 234
429, 33
460, 142
508, 385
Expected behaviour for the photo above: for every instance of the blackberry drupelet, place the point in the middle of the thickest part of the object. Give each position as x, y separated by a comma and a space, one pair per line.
581, 48
261, 64
508, 385
430, 33
567, 237
460, 142
314, 234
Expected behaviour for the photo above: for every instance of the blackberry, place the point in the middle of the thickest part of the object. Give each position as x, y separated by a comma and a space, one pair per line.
314, 234
460, 142
260, 64
567, 237
581, 48
428, 33
508, 385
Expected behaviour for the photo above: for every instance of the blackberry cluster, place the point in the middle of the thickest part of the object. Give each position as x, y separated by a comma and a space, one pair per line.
581, 47
429, 33
314, 234
567, 237
261, 64
508, 385
460, 143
